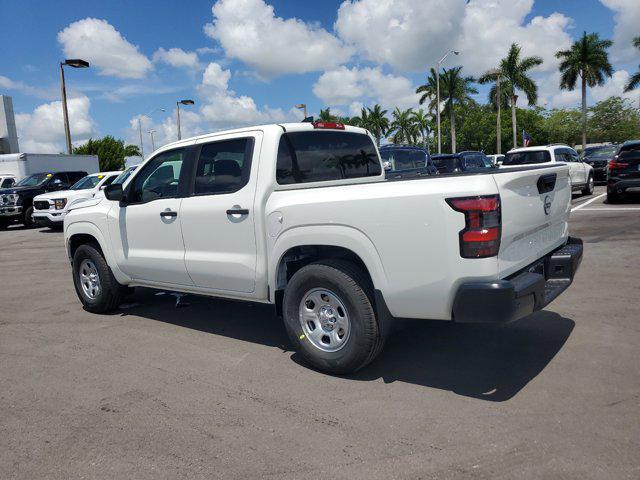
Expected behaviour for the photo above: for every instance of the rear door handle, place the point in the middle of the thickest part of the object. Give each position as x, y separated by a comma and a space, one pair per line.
168, 213
238, 211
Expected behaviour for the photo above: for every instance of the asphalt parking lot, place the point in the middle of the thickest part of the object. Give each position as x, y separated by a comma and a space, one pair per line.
212, 390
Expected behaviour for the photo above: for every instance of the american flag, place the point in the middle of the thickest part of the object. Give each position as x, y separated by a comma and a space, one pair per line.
526, 139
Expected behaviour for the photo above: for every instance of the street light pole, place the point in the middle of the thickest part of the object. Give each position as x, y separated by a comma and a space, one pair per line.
183, 102
140, 128
438, 95
75, 63
153, 143
302, 106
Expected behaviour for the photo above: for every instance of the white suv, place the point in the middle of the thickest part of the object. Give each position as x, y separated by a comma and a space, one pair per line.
49, 209
580, 173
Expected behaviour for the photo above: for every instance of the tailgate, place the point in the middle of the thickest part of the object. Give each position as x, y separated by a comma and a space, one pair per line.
535, 203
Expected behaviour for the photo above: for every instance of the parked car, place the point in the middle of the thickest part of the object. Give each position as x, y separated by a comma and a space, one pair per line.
49, 209
16, 203
461, 162
301, 216
581, 173
496, 159
120, 179
623, 172
7, 180
404, 161
599, 157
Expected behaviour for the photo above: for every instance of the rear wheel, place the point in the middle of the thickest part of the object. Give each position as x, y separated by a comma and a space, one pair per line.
95, 284
330, 317
588, 189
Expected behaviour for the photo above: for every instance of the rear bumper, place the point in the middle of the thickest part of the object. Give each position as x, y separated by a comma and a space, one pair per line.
622, 183
521, 294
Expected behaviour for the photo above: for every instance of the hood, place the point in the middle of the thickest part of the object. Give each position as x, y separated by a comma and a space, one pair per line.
68, 194
6, 191
89, 202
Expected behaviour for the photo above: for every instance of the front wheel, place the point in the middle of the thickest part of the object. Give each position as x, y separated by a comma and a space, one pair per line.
330, 318
97, 288
588, 189
27, 218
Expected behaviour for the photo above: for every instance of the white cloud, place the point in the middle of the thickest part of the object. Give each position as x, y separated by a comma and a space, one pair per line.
98, 42
176, 57
46, 93
406, 34
614, 86
250, 31
490, 27
627, 19
164, 131
42, 131
214, 79
344, 86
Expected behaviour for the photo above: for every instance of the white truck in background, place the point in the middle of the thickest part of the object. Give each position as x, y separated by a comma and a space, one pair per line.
21, 165
301, 216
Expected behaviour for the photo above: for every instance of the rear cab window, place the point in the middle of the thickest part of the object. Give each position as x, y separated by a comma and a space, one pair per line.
321, 156
527, 158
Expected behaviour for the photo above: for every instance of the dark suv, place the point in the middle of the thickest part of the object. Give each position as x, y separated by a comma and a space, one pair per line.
16, 203
599, 158
468, 161
623, 172
402, 161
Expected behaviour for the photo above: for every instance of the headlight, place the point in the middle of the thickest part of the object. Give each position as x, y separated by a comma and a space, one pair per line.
60, 203
9, 199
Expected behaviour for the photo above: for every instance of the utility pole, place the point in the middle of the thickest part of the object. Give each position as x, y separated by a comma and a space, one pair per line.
75, 63
438, 94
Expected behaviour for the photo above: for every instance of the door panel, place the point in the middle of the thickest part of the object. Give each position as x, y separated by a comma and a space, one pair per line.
146, 233
220, 246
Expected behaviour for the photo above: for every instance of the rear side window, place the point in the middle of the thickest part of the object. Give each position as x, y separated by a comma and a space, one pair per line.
305, 157
526, 158
405, 159
223, 167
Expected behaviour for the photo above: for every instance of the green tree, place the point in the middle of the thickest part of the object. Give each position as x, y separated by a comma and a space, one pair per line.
421, 121
634, 81
588, 60
429, 91
377, 122
477, 128
563, 126
456, 90
403, 128
111, 152
514, 70
327, 116
614, 120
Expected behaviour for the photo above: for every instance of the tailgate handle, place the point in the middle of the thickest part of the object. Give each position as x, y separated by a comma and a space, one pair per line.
546, 183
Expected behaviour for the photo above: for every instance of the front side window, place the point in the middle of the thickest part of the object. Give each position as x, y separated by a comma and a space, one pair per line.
321, 156
223, 167
527, 157
159, 178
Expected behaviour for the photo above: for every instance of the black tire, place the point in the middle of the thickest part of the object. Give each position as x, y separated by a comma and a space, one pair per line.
4, 223
588, 189
27, 218
111, 292
355, 291
613, 196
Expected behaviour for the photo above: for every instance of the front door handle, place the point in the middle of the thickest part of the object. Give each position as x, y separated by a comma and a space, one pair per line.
168, 213
238, 211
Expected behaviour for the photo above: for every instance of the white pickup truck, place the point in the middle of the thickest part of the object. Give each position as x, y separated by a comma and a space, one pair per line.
302, 217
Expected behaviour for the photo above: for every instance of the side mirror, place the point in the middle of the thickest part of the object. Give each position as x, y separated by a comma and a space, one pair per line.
114, 192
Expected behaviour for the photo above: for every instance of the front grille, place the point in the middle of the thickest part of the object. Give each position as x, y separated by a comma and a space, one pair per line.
41, 205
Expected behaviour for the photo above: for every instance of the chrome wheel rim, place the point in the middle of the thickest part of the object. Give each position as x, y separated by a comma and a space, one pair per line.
89, 279
591, 184
324, 320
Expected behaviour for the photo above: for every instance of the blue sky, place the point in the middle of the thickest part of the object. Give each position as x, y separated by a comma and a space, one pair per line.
253, 62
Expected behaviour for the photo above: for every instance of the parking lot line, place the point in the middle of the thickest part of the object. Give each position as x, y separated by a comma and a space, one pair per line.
588, 202
611, 209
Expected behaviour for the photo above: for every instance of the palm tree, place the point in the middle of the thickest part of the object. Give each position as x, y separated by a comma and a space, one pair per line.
421, 121
634, 81
514, 70
456, 90
402, 126
588, 59
326, 115
428, 91
376, 121
501, 89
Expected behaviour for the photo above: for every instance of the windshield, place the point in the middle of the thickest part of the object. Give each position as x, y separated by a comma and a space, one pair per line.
33, 180
601, 153
124, 175
404, 159
527, 157
87, 182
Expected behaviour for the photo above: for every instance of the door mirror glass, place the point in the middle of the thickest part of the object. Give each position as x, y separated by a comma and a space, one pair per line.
114, 192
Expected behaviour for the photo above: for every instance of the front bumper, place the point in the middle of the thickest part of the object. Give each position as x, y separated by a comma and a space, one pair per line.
10, 211
522, 293
48, 219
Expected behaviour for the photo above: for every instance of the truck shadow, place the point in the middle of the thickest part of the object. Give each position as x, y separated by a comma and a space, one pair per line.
487, 362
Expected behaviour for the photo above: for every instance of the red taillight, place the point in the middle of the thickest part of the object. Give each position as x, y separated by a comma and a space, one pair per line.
480, 237
328, 125
616, 164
